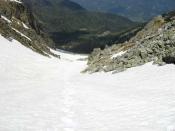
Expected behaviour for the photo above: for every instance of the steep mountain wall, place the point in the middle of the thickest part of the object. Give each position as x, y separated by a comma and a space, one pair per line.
17, 22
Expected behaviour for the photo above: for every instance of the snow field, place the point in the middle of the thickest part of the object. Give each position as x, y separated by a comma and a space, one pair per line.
47, 94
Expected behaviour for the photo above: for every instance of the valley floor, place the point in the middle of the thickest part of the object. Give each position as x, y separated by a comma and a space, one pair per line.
47, 94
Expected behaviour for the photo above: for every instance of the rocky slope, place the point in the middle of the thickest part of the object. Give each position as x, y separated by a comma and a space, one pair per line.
156, 42
17, 22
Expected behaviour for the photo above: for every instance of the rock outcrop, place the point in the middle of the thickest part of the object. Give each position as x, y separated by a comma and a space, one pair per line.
154, 43
17, 22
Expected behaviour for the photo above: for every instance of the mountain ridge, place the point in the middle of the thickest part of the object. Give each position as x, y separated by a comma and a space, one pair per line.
136, 10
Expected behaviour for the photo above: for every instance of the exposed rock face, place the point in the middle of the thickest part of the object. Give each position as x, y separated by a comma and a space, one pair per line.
17, 22
156, 42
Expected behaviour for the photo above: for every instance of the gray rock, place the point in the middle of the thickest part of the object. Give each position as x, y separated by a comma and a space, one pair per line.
118, 70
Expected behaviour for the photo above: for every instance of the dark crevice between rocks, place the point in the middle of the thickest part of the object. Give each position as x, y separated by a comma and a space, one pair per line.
169, 59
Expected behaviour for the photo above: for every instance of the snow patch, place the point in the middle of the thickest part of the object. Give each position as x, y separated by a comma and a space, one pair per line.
25, 26
17, 1
171, 128
118, 54
65, 55
21, 34
6, 19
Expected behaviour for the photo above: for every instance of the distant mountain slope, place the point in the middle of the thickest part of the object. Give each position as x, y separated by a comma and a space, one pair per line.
137, 10
71, 26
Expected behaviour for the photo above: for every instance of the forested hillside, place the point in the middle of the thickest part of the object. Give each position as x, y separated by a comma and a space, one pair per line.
74, 28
